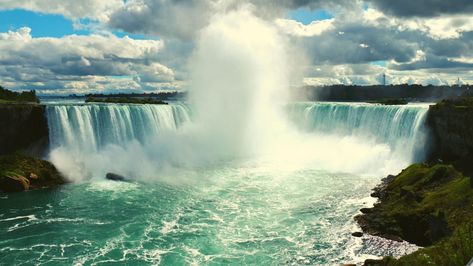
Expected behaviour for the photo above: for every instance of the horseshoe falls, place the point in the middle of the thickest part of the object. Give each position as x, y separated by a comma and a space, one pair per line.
293, 204
400, 127
234, 176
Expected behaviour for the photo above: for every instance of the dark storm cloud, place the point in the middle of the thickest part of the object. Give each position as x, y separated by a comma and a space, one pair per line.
424, 8
459, 47
312, 4
353, 44
431, 62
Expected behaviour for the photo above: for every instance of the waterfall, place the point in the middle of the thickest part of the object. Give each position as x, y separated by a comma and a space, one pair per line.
92, 127
402, 127
90, 140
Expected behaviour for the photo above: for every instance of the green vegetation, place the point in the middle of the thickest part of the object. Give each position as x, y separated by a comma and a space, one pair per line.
20, 172
124, 100
460, 102
455, 250
7, 96
429, 206
391, 102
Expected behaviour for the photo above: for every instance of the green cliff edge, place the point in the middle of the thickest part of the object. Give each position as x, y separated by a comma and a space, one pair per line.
431, 205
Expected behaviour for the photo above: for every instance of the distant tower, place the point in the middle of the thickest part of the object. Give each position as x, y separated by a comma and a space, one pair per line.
384, 79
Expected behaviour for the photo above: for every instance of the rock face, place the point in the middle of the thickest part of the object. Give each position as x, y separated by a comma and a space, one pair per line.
20, 173
23, 127
451, 123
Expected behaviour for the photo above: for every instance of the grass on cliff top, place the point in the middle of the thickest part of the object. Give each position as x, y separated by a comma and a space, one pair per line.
461, 102
439, 190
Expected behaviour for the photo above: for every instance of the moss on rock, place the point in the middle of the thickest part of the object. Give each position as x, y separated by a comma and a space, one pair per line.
426, 205
20, 172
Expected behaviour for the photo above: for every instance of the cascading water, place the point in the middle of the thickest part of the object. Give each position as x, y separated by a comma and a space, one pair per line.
92, 127
402, 127
288, 196
90, 140
356, 138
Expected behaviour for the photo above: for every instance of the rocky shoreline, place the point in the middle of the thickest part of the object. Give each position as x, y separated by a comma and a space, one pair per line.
431, 204
20, 172
24, 139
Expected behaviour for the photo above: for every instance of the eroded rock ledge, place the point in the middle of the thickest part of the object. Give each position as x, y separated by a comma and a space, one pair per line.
21, 173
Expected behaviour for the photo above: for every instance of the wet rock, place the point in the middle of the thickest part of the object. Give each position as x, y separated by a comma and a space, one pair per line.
380, 190
14, 183
115, 177
357, 234
372, 262
33, 176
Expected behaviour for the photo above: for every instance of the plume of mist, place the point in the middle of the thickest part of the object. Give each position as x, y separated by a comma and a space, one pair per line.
241, 70
239, 82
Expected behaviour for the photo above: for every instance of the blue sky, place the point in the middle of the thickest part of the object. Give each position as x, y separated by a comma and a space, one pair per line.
42, 25
306, 16
50, 25
357, 41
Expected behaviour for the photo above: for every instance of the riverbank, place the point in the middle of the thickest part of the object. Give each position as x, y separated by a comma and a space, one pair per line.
20, 172
24, 139
431, 204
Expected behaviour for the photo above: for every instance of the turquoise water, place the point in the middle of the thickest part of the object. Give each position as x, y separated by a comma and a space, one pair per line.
247, 215
245, 211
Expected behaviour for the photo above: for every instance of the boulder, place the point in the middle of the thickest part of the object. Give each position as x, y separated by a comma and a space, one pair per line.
115, 177
14, 183
357, 234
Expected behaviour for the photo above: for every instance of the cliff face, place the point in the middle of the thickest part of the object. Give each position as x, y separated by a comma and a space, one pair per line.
452, 126
23, 127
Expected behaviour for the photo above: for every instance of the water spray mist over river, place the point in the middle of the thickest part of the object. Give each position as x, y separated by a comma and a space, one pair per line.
235, 176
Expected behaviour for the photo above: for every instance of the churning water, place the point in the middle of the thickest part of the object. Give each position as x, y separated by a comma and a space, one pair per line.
239, 178
241, 211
